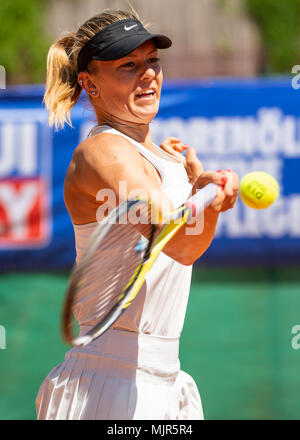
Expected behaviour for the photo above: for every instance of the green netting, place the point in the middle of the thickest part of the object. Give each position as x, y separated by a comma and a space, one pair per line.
236, 341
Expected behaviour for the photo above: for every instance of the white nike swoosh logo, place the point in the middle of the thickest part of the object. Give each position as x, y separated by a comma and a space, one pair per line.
130, 27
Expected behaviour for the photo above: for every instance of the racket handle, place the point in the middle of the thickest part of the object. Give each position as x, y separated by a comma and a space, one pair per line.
202, 199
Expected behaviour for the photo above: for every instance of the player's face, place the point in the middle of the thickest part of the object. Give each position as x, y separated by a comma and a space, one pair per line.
130, 87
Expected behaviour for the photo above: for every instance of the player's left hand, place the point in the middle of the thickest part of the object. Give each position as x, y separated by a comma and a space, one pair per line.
175, 147
192, 164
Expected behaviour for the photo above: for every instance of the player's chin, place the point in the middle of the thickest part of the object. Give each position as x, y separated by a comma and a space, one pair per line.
146, 114
147, 108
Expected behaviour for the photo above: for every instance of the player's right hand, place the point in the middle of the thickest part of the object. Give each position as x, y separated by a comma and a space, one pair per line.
227, 194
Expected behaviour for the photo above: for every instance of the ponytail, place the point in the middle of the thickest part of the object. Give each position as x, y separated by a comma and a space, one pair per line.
62, 89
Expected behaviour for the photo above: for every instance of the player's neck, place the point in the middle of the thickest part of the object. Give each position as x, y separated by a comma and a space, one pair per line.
139, 132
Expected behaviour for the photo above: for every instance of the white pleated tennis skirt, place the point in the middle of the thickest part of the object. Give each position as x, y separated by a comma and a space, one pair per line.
120, 376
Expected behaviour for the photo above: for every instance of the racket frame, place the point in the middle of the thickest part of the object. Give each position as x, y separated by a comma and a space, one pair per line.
175, 220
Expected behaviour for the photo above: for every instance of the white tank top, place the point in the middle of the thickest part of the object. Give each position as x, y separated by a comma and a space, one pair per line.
159, 308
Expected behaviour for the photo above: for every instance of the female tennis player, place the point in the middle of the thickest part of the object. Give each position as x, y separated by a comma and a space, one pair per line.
132, 371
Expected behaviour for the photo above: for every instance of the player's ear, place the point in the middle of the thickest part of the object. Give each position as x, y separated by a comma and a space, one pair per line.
87, 83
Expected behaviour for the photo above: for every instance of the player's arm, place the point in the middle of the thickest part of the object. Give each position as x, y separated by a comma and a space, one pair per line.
227, 196
111, 160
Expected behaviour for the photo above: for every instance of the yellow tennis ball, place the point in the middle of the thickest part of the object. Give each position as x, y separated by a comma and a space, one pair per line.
259, 190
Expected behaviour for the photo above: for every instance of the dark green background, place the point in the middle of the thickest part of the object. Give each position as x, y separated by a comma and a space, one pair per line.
236, 341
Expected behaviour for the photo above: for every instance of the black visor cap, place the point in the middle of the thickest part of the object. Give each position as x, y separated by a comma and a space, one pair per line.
118, 40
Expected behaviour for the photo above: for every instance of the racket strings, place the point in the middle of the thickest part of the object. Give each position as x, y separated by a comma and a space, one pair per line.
111, 267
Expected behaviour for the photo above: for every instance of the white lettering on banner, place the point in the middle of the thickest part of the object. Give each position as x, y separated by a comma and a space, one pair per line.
217, 137
7, 154
25, 177
281, 219
275, 219
177, 127
289, 136
269, 133
17, 205
18, 149
28, 149
198, 131
238, 223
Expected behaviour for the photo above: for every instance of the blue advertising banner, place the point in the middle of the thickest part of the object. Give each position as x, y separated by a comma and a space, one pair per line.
243, 125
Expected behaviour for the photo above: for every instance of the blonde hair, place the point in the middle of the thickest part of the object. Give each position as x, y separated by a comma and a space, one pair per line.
62, 89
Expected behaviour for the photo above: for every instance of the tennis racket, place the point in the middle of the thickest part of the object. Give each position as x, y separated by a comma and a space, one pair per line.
112, 268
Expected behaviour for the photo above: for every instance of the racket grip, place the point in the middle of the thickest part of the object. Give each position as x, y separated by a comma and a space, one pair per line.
202, 199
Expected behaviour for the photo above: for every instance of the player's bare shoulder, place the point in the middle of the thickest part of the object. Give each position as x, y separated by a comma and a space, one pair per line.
97, 155
102, 149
